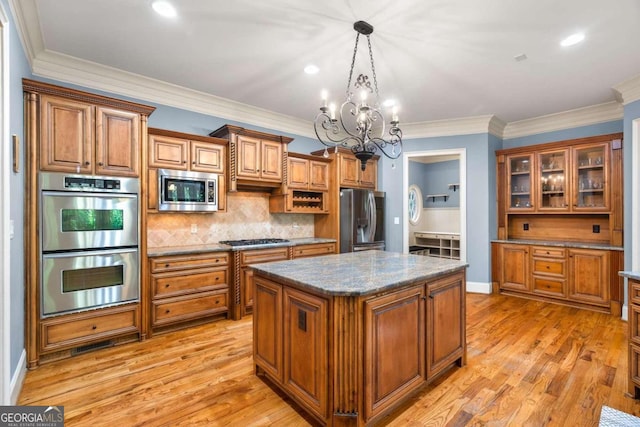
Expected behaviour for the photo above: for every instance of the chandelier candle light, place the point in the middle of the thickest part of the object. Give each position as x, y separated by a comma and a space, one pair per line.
358, 125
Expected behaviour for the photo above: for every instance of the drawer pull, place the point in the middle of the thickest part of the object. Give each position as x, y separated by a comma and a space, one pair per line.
167, 285
217, 260
548, 267
94, 327
217, 278
217, 301
167, 311
167, 265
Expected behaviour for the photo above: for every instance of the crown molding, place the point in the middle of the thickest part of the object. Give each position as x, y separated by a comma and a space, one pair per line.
25, 14
600, 113
450, 127
629, 90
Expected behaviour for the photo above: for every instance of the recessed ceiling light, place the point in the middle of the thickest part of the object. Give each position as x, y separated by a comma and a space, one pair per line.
311, 69
164, 8
572, 39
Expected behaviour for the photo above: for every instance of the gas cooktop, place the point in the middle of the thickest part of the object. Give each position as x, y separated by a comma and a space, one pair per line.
250, 242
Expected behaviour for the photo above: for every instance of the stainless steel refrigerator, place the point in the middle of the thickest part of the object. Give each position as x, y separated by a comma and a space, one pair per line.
361, 220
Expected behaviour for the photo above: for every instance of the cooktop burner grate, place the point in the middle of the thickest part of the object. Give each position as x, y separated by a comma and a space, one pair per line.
249, 242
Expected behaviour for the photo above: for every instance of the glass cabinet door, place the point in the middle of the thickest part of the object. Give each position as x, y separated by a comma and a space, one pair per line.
520, 186
591, 178
553, 182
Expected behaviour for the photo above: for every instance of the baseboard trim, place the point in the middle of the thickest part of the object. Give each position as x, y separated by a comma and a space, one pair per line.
625, 313
17, 379
479, 287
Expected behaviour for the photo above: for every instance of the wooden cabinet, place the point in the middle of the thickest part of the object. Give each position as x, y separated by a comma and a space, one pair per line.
89, 327
255, 158
589, 276
520, 184
305, 349
515, 271
185, 152
267, 328
84, 137
591, 179
634, 337
573, 276
394, 343
440, 245
352, 175
186, 288
255, 256
554, 185
305, 188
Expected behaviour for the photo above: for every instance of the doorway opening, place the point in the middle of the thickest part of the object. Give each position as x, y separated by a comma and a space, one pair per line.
443, 218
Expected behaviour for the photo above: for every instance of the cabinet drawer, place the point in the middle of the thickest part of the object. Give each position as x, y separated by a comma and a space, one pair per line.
264, 255
179, 262
547, 252
185, 282
634, 323
313, 250
189, 307
549, 267
549, 286
634, 292
92, 326
634, 364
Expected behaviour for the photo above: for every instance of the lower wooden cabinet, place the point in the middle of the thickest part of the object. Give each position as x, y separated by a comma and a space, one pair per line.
313, 249
634, 338
255, 256
89, 327
580, 277
188, 288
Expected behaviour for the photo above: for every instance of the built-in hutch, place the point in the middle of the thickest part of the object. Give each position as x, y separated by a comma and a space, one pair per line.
560, 225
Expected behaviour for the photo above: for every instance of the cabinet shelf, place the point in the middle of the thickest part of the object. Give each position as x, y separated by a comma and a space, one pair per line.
433, 197
440, 245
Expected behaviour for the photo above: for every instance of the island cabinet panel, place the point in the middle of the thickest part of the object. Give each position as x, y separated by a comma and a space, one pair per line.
394, 348
306, 349
267, 328
634, 337
245, 275
446, 330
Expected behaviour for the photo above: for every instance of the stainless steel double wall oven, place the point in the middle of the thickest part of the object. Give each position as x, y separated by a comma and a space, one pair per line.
89, 228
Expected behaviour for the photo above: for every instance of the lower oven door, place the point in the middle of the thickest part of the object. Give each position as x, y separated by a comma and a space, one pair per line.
75, 281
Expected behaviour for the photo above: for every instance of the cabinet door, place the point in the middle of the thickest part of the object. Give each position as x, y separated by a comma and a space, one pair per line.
394, 348
520, 183
553, 181
591, 178
168, 152
349, 167
117, 142
206, 157
271, 161
248, 162
318, 176
589, 276
297, 173
306, 347
515, 267
445, 323
267, 327
66, 135
369, 177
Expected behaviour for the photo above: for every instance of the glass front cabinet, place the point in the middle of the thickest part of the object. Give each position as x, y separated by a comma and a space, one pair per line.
590, 175
520, 184
553, 182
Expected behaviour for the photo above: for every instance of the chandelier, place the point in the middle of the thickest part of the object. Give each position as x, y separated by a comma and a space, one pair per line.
358, 125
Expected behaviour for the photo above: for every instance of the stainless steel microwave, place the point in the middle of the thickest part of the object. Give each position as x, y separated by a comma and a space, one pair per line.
185, 191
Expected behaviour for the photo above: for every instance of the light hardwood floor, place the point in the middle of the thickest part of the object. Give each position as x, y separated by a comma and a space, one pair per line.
529, 364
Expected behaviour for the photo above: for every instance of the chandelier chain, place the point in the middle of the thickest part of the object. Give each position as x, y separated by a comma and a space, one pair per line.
353, 62
373, 69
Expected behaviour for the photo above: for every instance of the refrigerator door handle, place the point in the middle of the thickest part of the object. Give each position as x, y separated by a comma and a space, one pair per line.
372, 216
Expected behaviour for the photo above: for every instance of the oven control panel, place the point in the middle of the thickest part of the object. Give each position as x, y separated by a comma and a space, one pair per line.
74, 183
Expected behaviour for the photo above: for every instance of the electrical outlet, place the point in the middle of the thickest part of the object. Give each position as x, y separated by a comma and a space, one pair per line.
396, 220
596, 228
525, 226
194, 228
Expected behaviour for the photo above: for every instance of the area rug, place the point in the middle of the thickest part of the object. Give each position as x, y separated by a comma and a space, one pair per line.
610, 417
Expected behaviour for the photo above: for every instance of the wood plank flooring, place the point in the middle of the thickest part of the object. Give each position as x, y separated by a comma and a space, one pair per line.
529, 364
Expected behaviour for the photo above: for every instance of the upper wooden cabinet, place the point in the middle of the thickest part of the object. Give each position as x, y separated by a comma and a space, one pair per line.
352, 175
175, 150
87, 134
255, 158
305, 187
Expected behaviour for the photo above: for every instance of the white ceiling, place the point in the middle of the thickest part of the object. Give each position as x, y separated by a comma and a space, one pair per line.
440, 59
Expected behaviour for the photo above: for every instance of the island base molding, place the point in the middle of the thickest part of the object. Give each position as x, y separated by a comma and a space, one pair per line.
352, 360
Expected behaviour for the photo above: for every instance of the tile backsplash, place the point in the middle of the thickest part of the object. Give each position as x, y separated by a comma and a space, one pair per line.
247, 217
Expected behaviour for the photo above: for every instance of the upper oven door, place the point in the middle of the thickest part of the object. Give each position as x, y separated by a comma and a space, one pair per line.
79, 220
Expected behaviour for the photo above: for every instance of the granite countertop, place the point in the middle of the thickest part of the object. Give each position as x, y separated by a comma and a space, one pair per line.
358, 273
635, 275
581, 245
217, 247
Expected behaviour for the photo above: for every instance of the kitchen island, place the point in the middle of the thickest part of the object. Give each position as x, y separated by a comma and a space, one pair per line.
352, 336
